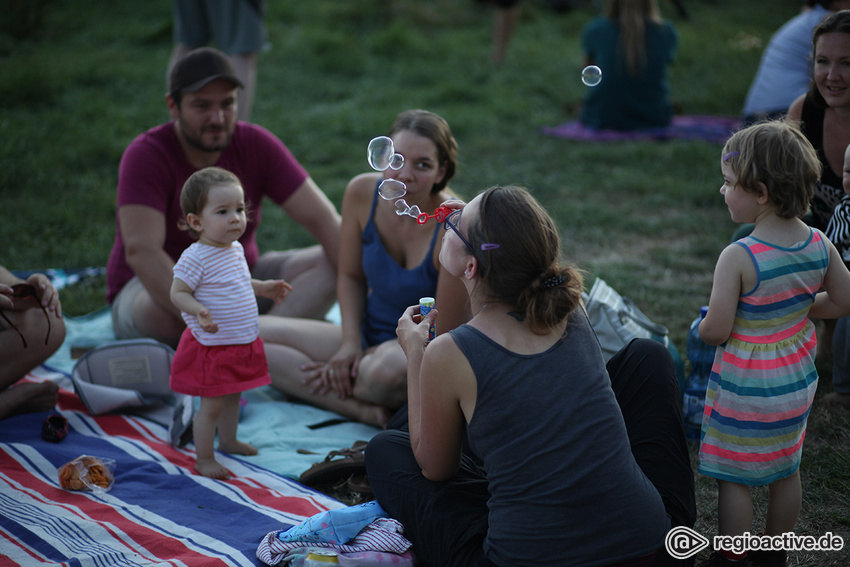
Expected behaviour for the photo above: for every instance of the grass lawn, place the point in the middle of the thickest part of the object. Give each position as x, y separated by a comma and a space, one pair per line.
79, 83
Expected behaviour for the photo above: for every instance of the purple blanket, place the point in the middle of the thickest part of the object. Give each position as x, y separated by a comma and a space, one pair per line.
715, 129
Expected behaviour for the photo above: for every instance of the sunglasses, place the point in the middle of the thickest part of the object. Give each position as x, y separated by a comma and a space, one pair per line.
24, 292
451, 223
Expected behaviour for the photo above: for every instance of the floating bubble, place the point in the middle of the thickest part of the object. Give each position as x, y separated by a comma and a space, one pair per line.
380, 153
402, 208
390, 189
591, 75
396, 161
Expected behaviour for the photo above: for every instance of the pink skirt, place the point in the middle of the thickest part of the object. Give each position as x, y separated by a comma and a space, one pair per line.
218, 370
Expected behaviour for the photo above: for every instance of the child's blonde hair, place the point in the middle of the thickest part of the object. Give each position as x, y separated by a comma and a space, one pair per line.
193, 196
779, 156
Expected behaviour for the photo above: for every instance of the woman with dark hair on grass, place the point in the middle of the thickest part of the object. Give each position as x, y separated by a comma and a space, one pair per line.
387, 262
823, 115
564, 465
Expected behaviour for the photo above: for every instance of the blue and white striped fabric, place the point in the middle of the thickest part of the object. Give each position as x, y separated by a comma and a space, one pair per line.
158, 512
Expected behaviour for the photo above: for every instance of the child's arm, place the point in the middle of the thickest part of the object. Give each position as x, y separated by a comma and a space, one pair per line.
835, 301
271, 289
182, 297
725, 291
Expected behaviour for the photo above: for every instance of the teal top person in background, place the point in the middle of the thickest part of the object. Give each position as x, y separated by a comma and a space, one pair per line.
634, 48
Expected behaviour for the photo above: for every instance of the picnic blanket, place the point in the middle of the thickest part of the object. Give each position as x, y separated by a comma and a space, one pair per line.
716, 129
290, 436
158, 512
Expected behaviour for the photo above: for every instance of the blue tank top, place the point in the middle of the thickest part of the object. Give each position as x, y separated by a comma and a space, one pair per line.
565, 488
392, 288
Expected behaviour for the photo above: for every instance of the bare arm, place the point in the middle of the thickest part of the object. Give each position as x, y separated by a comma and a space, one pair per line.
143, 233
312, 209
437, 381
725, 291
351, 281
183, 297
795, 111
351, 288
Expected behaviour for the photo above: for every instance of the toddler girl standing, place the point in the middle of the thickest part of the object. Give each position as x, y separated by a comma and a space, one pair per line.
763, 380
220, 353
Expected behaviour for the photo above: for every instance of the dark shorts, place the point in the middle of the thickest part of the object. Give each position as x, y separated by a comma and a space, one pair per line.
234, 26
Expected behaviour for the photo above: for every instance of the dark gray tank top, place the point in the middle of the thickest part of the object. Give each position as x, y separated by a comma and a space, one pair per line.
565, 488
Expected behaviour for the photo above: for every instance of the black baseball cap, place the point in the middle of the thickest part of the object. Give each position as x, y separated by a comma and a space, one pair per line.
198, 68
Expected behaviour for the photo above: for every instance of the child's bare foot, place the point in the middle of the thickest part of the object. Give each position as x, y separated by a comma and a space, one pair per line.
237, 448
212, 469
28, 397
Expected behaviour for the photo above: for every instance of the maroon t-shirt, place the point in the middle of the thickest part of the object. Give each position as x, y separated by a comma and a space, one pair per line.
154, 169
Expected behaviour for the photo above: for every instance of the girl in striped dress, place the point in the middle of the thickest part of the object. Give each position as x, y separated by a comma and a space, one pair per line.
763, 380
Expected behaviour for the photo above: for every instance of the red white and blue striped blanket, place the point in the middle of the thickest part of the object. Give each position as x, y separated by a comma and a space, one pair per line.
158, 512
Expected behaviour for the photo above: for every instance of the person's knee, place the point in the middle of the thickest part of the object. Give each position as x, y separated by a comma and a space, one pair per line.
44, 333
57, 334
383, 448
383, 384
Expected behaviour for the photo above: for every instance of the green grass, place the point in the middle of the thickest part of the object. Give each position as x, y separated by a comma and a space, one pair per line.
647, 217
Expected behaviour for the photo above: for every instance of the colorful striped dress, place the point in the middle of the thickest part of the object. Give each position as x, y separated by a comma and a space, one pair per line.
763, 379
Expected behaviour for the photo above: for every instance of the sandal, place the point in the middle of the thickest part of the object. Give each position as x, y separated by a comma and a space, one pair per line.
359, 484
337, 466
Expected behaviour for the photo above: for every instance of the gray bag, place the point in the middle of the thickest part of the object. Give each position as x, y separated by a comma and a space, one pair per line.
617, 320
123, 374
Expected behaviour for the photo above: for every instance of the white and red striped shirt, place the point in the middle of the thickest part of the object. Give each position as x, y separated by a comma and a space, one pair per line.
221, 282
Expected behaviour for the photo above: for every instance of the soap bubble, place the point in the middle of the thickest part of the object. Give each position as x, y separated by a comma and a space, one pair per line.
390, 189
381, 153
591, 75
396, 161
402, 208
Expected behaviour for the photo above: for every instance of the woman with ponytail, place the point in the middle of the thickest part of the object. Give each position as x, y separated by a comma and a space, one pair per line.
521, 450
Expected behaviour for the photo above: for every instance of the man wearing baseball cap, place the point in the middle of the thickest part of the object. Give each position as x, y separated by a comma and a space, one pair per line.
202, 100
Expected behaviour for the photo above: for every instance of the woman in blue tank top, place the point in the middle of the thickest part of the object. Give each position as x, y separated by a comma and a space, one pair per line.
387, 262
521, 449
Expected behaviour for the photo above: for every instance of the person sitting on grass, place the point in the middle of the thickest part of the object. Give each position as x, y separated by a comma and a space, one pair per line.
203, 99
523, 447
31, 330
387, 261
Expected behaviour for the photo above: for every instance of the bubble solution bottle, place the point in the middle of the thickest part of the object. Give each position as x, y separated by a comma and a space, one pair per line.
701, 356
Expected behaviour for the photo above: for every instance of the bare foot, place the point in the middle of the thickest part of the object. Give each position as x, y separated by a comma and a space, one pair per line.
237, 448
212, 469
28, 397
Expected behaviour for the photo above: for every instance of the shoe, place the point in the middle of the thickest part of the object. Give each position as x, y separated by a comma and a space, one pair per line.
759, 558
359, 484
718, 560
337, 466
180, 431
838, 398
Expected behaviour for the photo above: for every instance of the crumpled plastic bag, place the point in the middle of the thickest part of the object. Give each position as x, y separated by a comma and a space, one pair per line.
87, 473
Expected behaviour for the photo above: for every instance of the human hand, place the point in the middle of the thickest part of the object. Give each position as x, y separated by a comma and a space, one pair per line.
453, 204
6, 293
47, 295
274, 289
412, 330
37, 288
338, 374
206, 322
